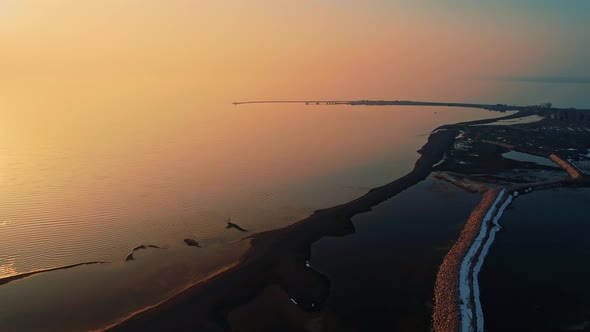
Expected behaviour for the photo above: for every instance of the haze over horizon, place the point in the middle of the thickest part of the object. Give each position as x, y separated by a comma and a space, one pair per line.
191, 52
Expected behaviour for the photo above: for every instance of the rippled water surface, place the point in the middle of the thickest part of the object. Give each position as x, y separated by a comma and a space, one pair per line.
94, 191
77, 186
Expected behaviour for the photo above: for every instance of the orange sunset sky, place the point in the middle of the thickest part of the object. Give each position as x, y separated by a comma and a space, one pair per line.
220, 51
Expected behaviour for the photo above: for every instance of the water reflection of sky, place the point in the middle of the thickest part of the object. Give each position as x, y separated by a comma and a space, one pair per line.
536, 275
383, 274
7, 267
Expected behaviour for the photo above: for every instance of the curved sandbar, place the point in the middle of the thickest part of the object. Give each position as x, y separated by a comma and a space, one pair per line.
6, 280
141, 247
201, 307
571, 169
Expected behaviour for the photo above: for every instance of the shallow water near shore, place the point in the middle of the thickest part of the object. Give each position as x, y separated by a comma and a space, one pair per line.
68, 197
383, 275
102, 294
535, 277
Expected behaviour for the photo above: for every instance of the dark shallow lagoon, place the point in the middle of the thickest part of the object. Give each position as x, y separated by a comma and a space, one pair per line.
536, 275
382, 276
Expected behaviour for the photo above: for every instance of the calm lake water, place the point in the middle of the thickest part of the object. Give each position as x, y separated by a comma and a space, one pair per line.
536, 275
383, 275
78, 188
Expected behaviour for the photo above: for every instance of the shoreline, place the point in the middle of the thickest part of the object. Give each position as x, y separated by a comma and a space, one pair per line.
293, 244
365, 102
457, 291
9, 279
472, 261
279, 256
264, 261
447, 309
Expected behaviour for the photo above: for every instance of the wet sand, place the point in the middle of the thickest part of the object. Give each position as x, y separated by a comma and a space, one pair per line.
276, 256
6, 280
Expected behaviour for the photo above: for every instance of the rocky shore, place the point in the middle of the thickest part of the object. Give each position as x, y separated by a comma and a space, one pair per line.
447, 308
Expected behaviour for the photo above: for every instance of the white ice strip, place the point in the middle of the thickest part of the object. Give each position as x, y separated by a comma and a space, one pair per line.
484, 252
444, 158
490, 212
464, 288
501, 210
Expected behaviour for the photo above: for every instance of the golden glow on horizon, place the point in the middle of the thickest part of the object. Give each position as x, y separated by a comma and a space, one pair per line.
86, 73
94, 75
224, 50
